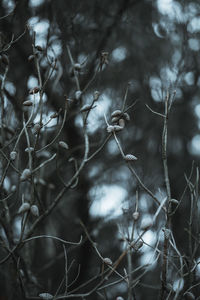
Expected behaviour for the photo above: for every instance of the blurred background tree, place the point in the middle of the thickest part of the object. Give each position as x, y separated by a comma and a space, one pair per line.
148, 48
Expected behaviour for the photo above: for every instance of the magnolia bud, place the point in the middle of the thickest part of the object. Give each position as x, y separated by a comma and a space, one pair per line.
136, 216
96, 95
77, 67
39, 48
29, 149
85, 107
130, 157
63, 145
13, 155
24, 207
116, 113
34, 210
46, 296
78, 95
174, 201
107, 261
25, 175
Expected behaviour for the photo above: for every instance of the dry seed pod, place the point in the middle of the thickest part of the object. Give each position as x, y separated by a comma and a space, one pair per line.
34, 210
136, 216
122, 123
46, 296
25, 175
107, 261
13, 155
85, 107
63, 145
116, 113
78, 95
130, 157
24, 207
35, 90
28, 103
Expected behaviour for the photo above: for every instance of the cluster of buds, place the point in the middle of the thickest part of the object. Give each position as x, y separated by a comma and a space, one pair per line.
118, 119
25, 207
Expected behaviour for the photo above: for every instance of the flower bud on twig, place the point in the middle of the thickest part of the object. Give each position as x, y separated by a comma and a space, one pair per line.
34, 210
25, 175
130, 157
24, 207
63, 145
136, 216
13, 155
107, 261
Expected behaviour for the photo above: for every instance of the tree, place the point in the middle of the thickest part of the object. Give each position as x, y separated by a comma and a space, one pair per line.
95, 94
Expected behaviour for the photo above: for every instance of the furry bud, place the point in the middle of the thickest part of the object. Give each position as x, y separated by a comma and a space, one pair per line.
130, 157
13, 155
46, 296
78, 95
34, 210
24, 207
25, 175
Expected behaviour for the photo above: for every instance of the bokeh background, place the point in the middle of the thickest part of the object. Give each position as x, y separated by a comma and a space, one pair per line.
153, 46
